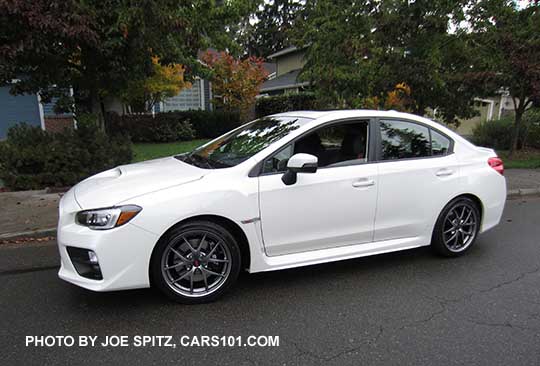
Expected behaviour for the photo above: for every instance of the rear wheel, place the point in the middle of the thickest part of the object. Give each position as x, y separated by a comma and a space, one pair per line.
196, 262
456, 228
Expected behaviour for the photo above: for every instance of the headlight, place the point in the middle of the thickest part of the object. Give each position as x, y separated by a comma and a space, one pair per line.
107, 218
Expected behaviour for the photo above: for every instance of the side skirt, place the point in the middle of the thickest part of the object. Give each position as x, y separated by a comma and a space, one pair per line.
334, 254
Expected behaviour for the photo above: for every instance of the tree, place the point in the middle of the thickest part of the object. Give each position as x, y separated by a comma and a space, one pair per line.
364, 48
507, 41
235, 82
272, 24
99, 47
398, 99
165, 82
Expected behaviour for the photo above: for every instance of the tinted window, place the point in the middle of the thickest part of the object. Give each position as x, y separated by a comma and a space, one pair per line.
439, 143
335, 145
402, 140
235, 147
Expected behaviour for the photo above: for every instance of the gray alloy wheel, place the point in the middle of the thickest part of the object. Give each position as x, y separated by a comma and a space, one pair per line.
460, 227
195, 262
457, 227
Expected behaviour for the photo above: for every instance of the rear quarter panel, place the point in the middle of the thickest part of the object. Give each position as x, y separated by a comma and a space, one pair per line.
479, 179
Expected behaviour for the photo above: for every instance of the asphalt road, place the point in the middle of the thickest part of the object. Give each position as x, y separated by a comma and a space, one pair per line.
403, 308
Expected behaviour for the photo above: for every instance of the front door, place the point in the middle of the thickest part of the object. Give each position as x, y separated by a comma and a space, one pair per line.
332, 207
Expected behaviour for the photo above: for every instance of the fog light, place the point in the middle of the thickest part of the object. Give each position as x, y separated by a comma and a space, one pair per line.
85, 262
92, 257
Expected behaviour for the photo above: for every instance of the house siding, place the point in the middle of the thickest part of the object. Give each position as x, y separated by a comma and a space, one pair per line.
289, 62
16, 109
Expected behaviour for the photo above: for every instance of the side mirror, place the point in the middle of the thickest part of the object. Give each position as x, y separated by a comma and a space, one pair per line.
299, 163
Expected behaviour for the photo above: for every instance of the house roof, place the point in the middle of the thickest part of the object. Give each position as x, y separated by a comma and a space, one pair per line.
284, 51
285, 81
270, 67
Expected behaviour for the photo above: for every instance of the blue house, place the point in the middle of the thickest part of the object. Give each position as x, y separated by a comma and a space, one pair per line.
27, 108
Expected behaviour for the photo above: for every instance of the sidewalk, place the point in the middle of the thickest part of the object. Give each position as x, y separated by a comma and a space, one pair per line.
32, 213
28, 212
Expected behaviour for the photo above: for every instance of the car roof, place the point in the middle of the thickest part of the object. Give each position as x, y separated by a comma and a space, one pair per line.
324, 116
345, 113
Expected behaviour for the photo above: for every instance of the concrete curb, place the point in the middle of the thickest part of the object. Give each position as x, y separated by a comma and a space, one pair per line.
521, 192
29, 234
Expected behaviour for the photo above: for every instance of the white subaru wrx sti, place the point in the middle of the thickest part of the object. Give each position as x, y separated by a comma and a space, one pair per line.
287, 190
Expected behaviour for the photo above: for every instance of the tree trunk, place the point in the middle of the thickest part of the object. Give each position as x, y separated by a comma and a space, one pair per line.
515, 132
419, 109
98, 108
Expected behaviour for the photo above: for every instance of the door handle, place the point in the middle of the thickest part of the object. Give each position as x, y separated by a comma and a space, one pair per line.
363, 183
444, 172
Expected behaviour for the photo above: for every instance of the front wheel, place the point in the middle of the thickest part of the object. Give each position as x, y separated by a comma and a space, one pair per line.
195, 262
456, 228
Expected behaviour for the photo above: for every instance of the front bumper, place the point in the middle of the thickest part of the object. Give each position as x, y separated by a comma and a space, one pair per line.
123, 253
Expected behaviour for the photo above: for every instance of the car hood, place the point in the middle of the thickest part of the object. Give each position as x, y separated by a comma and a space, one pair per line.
128, 181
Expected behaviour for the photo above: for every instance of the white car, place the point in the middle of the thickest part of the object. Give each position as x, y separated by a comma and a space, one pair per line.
287, 190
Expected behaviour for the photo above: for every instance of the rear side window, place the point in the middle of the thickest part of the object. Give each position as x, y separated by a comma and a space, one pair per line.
404, 140
439, 144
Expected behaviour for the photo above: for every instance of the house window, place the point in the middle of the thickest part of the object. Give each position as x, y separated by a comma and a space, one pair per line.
185, 100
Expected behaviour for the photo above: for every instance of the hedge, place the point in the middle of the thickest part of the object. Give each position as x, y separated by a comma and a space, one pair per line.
285, 103
172, 126
498, 134
34, 159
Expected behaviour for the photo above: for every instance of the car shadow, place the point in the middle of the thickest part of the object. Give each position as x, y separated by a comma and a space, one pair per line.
265, 286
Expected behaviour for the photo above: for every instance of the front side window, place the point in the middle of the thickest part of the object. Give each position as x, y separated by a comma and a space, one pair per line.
404, 140
335, 145
235, 147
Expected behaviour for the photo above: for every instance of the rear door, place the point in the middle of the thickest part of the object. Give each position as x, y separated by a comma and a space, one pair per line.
418, 175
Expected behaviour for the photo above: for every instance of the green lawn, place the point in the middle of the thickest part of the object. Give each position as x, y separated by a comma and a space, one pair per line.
529, 159
143, 152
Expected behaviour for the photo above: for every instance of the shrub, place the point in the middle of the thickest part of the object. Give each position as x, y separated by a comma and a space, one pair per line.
210, 124
165, 127
531, 121
285, 103
33, 159
495, 134
173, 126
498, 134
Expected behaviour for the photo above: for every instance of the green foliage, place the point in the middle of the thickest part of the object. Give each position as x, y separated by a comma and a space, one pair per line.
498, 134
531, 126
33, 159
507, 50
172, 126
363, 49
98, 47
275, 19
164, 127
494, 134
285, 103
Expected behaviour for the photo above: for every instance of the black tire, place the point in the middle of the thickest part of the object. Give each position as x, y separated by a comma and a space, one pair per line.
172, 246
451, 228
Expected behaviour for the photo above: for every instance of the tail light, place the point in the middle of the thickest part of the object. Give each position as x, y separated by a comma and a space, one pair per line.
497, 164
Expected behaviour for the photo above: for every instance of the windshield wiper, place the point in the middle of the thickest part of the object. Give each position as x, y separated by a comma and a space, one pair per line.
202, 162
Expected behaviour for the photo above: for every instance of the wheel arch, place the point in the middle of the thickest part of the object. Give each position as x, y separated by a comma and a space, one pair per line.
228, 224
474, 198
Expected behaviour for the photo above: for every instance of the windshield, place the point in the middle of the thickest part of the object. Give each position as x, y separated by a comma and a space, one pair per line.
237, 146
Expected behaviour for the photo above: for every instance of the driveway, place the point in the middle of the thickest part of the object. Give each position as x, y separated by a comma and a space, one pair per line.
408, 308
